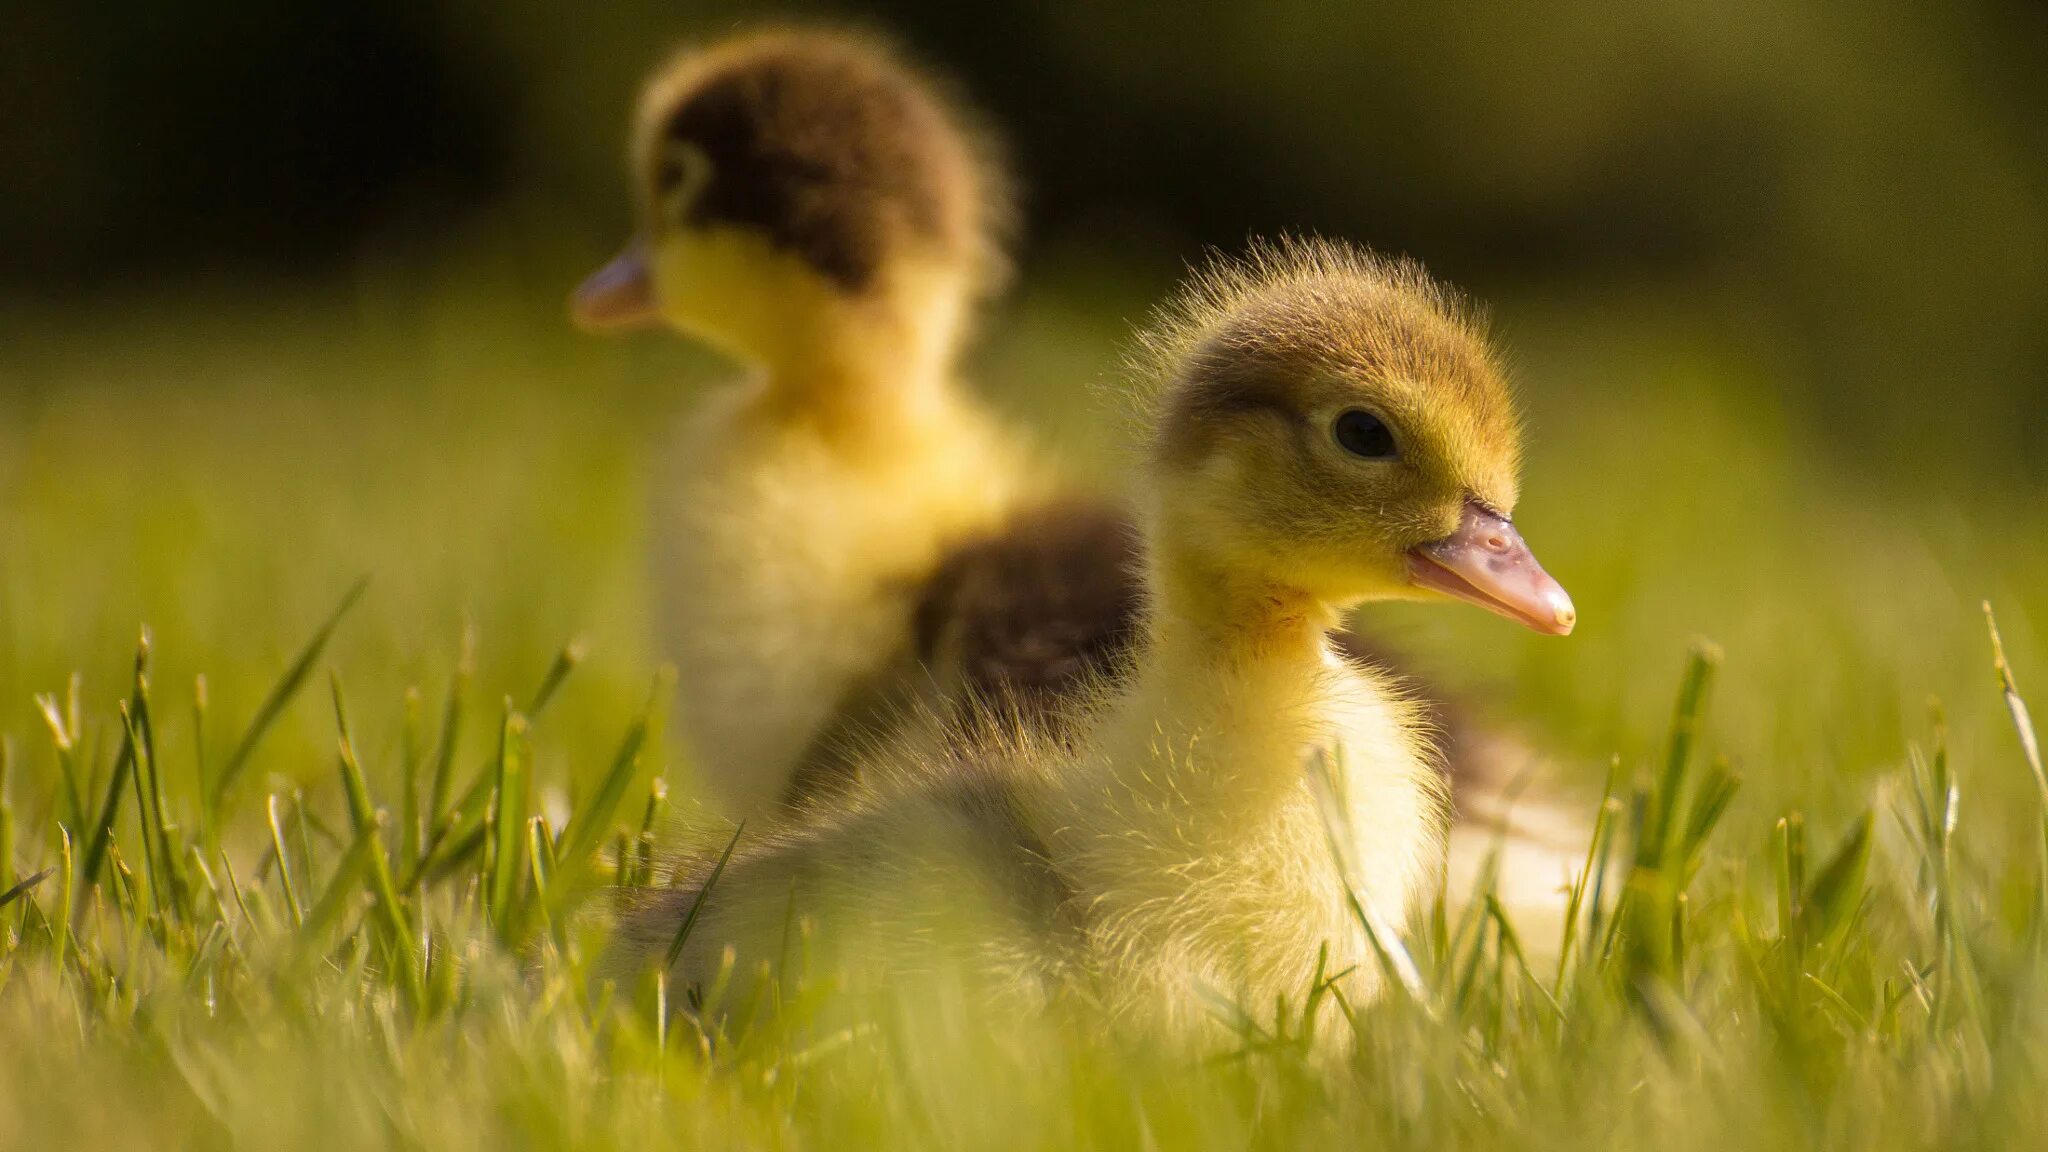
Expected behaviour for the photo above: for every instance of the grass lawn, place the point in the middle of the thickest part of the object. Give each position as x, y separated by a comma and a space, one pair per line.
329, 888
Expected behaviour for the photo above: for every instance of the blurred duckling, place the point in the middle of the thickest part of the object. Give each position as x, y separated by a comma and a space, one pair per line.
813, 208
1327, 427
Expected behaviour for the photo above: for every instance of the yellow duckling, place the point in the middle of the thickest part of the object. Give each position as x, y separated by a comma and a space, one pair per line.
1328, 427
811, 208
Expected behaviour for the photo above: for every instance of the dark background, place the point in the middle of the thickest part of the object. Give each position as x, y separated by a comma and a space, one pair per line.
1859, 191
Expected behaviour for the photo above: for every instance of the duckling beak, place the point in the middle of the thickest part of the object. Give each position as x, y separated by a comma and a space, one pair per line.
618, 296
1486, 563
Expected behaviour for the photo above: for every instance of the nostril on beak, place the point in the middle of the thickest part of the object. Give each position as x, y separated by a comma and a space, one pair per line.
1485, 562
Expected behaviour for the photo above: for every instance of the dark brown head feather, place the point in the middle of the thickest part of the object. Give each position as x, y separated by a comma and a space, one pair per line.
830, 147
1245, 329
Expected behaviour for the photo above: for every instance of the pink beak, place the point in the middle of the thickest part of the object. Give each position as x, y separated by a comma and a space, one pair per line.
1486, 563
618, 296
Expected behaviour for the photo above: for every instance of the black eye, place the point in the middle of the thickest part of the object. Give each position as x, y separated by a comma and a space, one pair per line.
1365, 435
681, 169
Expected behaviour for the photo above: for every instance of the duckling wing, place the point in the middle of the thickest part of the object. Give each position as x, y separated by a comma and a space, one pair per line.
1025, 620
1015, 625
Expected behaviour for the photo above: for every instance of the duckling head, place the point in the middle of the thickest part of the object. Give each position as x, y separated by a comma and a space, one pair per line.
795, 187
1335, 425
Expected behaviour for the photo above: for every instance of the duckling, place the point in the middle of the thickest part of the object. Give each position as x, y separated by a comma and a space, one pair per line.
812, 207
1327, 427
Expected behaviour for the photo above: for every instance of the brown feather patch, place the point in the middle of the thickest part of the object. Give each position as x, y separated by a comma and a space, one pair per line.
1021, 621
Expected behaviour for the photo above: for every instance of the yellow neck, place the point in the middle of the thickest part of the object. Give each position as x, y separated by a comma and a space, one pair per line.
856, 385
1232, 620
871, 371
863, 368
1193, 793
1209, 732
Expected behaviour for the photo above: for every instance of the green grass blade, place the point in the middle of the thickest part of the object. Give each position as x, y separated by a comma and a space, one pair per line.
102, 836
168, 870
353, 787
227, 869
274, 704
199, 707
577, 853
574, 853
564, 663
2030, 748
1837, 892
16, 891
1666, 811
341, 888
473, 809
1393, 956
392, 914
284, 864
1511, 942
1582, 884
451, 731
643, 848
540, 864
1784, 873
453, 859
1837, 1004
592, 819
6, 813
682, 936
1670, 839
302, 824
409, 780
66, 897
2022, 722
139, 778
509, 817
1713, 793
64, 735
212, 886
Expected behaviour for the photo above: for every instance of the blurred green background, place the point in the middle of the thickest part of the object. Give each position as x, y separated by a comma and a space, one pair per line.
281, 284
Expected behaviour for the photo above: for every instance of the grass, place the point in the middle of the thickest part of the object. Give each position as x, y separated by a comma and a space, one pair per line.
315, 863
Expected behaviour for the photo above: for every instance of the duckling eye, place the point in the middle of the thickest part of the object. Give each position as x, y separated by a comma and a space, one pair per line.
680, 173
1365, 435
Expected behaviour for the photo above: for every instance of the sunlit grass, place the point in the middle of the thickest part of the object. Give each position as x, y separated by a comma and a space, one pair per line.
349, 889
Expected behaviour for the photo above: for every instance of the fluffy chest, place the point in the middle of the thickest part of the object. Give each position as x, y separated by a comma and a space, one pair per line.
1241, 814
